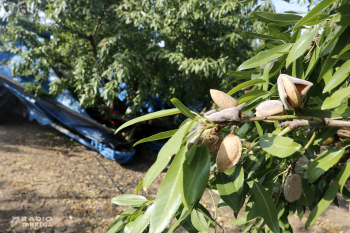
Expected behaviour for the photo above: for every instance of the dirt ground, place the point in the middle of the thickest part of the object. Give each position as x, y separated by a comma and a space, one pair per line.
58, 182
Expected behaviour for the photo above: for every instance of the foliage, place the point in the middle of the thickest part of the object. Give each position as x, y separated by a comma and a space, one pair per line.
97, 45
314, 48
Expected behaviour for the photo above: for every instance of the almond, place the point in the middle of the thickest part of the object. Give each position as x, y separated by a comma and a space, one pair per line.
293, 188
212, 141
229, 153
342, 133
328, 141
222, 99
228, 114
270, 108
293, 94
289, 93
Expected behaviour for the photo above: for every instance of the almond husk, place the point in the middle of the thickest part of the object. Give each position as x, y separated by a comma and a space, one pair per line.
212, 141
343, 133
222, 99
227, 114
270, 108
328, 141
293, 188
229, 153
293, 94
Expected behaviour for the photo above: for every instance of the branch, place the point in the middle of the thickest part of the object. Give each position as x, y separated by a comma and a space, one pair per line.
93, 45
75, 31
247, 119
97, 25
327, 122
89, 38
315, 122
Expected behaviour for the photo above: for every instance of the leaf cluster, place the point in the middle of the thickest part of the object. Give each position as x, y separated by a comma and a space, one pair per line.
313, 48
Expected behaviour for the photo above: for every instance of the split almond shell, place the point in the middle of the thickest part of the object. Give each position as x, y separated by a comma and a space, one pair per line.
222, 99
229, 153
293, 94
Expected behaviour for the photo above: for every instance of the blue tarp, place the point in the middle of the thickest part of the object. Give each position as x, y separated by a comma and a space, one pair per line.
65, 110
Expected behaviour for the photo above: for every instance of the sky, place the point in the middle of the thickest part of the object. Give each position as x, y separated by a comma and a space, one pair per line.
281, 6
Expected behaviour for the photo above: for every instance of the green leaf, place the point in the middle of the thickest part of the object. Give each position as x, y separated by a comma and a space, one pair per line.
344, 15
277, 31
316, 10
169, 194
336, 98
199, 221
345, 173
281, 207
341, 38
158, 136
184, 110
321, 113
308, 196
265, 57
280, 19
259, 36
129, 199
326, 160
253, 210
192, 151
266, 76
340, 75
240, 221
140, 224
266, 206
245, 84
279, 146
250, 95
168, 150
138, 188
114, 227
259, 129
240, 75
346, 194
313, 61
181, 220
227, 191
344, 56
317, 19
195, 176
150, 116
301, 45
277, 66
129, 212
238, 177
324, 134
344, 50
329, 195
207, 214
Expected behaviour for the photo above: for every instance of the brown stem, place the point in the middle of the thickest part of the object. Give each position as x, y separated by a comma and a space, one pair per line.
336, 123
233, 129
298, 112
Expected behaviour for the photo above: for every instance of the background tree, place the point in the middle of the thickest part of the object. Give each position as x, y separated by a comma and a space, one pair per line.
157, 48
310, 123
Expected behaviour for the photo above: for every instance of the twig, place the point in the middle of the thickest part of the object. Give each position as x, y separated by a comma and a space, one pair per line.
273, 9
310, 141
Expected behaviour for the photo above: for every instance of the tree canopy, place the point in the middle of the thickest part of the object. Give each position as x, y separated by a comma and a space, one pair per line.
154, 48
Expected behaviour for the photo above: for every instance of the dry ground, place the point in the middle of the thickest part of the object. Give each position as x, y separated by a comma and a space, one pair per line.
43, 173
